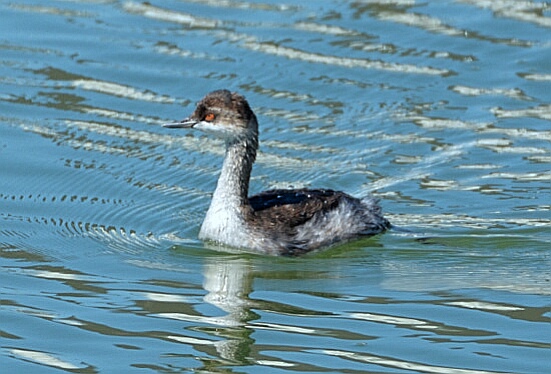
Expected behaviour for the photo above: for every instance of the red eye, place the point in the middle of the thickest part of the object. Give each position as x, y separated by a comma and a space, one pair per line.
209, 117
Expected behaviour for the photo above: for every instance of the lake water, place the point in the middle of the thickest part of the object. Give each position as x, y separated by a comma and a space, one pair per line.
441, 109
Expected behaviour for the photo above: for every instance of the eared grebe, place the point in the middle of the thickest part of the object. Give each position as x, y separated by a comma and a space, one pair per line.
278, 222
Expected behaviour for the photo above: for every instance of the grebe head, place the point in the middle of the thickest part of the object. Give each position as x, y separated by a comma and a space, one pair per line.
224, 114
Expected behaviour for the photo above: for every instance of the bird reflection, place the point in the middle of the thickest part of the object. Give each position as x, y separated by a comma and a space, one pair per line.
228, 284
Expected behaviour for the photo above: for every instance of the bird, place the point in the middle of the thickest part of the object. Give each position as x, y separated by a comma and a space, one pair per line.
281, 222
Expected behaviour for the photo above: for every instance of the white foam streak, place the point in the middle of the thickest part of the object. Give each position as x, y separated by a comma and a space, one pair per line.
386, 361
119, 90
43, 358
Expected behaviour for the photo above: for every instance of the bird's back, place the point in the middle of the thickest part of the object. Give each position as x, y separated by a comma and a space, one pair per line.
301, 220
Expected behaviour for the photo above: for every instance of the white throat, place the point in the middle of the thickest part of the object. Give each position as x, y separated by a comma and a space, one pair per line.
225, 219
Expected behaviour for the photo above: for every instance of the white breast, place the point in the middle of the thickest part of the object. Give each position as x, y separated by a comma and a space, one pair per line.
225, 225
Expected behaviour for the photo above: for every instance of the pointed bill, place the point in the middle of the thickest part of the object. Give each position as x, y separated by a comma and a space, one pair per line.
183, 124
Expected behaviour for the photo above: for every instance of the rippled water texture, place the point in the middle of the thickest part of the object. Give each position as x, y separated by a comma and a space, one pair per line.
441, 109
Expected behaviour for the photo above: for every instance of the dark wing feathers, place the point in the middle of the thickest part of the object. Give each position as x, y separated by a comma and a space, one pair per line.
293, 207
281, 212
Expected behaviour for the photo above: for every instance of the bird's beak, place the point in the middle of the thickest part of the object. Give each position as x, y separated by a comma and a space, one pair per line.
183, 124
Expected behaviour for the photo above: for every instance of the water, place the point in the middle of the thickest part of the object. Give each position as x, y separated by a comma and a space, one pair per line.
441, 109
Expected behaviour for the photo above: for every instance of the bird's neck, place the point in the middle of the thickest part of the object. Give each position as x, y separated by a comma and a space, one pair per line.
233, 183
225, 219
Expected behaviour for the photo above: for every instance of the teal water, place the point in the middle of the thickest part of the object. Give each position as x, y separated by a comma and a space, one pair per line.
440, 109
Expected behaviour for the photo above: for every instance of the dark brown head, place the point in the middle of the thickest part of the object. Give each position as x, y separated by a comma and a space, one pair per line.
224, 114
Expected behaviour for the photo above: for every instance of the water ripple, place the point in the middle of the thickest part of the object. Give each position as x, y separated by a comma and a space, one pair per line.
439, 108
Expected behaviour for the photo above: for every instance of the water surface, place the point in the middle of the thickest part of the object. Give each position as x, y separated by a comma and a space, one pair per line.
440, 109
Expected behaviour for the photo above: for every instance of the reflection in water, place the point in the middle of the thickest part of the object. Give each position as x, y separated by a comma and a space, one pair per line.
320, 316
228, 283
